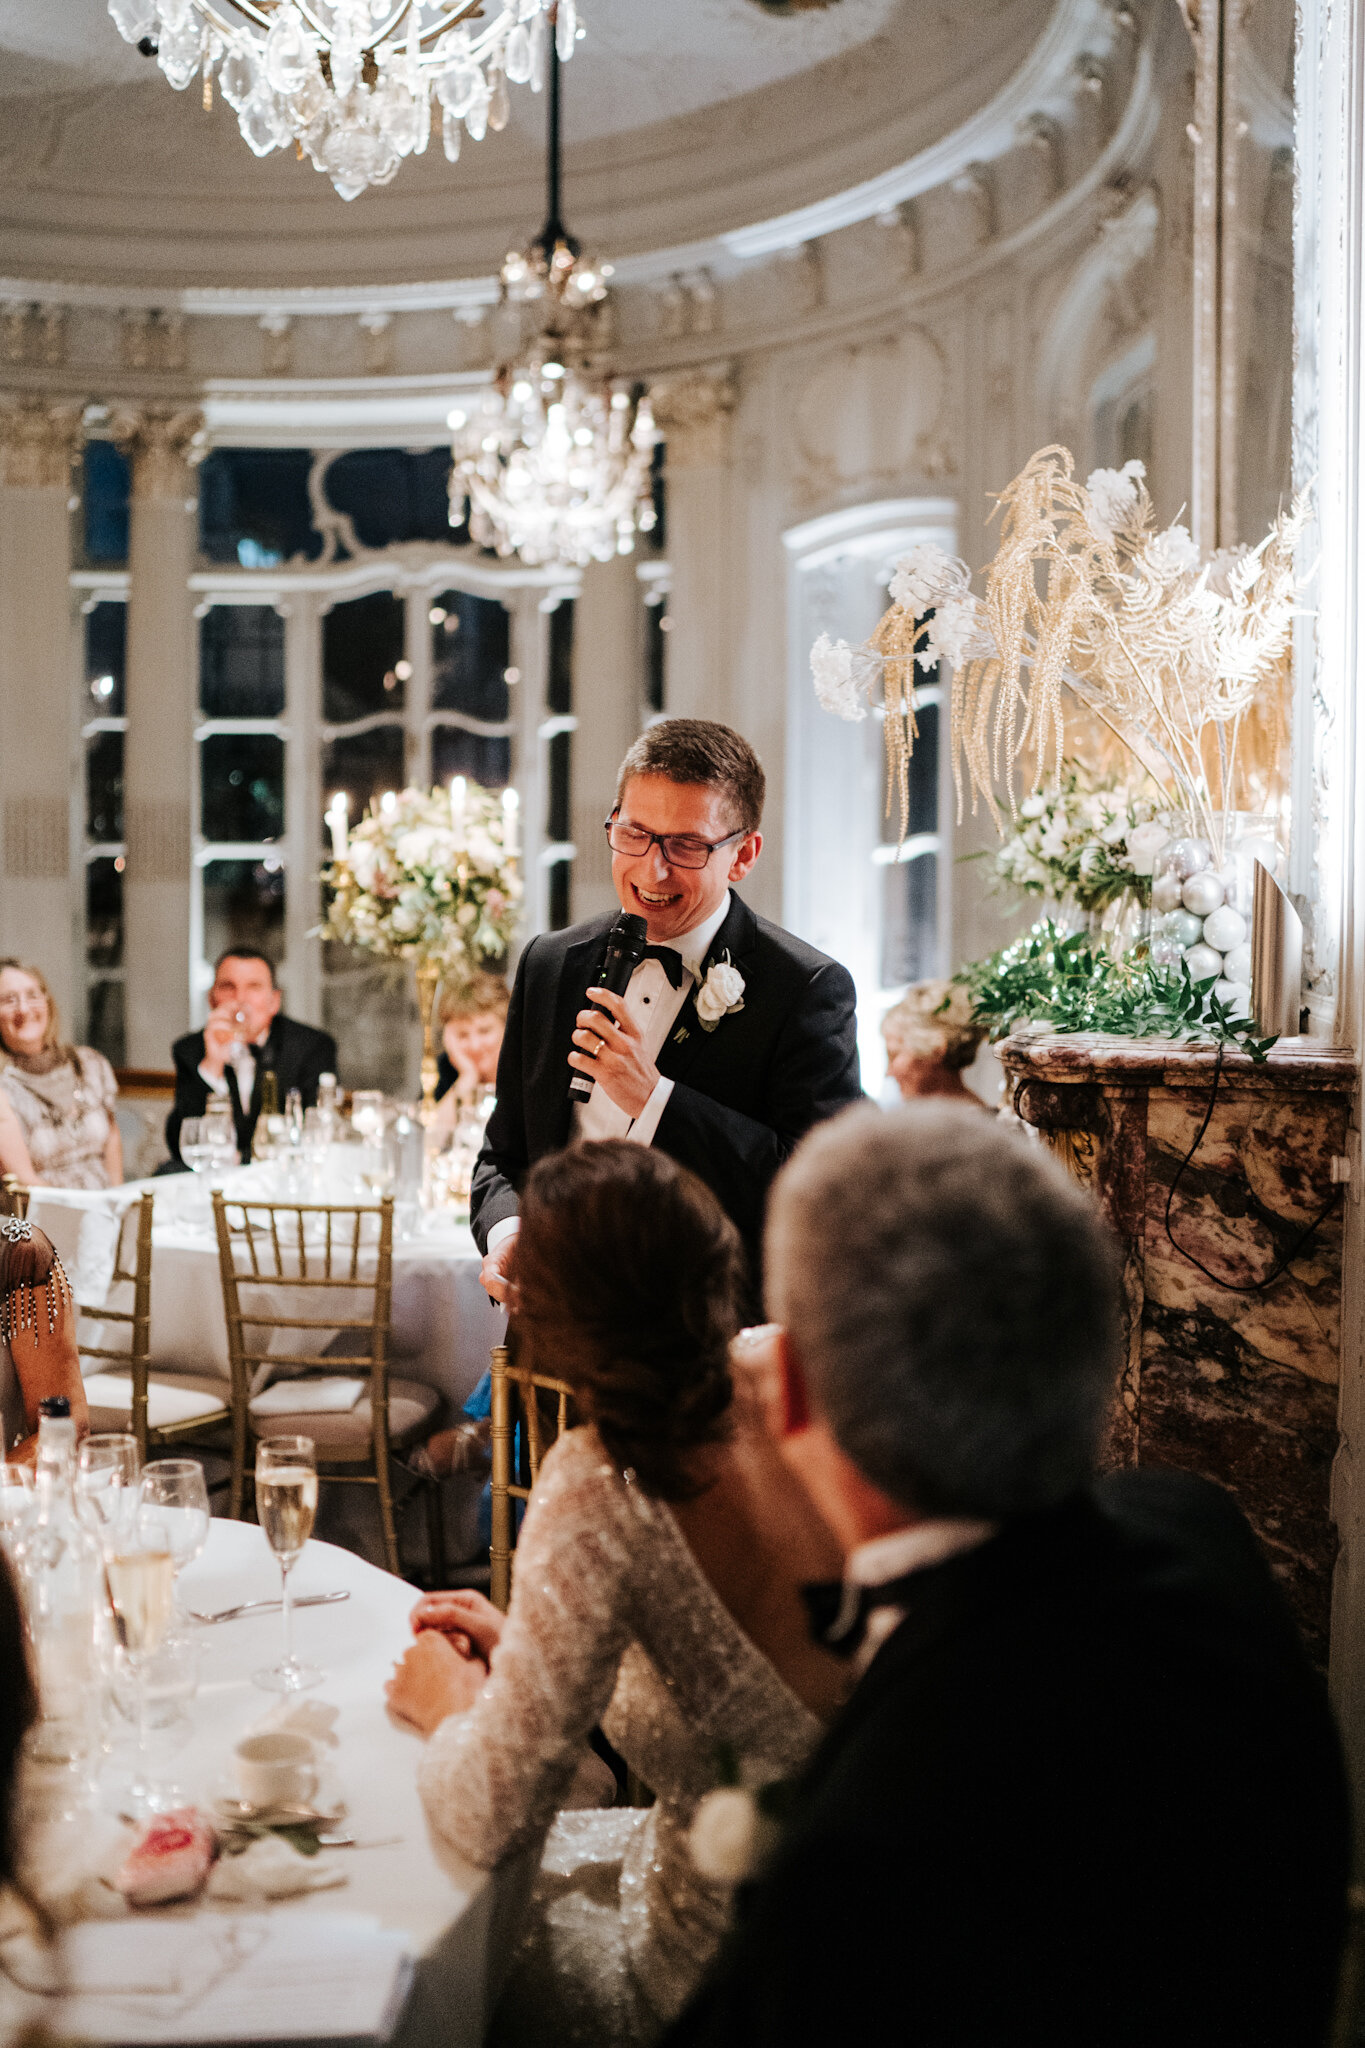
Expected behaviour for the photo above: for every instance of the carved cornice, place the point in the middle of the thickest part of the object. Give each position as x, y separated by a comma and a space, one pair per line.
692, 412
162, 442
39, 442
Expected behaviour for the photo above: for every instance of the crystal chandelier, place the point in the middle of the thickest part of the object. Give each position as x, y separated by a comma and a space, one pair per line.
555, 461
350, 82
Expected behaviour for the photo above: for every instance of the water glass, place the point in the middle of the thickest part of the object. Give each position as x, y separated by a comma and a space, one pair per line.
286, 1503
107, 1485
367, 1114
196, 1146
174, 1503
17, 1499
219, 1131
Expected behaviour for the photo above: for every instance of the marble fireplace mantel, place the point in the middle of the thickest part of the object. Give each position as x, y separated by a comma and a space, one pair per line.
1240, 1386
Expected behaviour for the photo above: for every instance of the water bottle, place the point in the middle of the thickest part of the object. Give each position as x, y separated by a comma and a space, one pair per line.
60, 1575
329, 1109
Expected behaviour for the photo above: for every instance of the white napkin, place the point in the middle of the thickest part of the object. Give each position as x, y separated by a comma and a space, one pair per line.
309, 1397
270, 1869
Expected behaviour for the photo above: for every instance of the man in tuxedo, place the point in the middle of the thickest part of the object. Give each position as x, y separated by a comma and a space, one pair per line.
1087, 1792
733, 1037
245, 1037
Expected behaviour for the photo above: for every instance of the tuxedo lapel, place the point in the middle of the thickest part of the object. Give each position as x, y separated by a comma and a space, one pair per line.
687, 1039
582, 964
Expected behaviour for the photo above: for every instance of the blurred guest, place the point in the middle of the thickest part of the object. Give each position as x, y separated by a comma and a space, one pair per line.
930, 1037
473, 1016
1088, 1789
38, 1355
57, 1101
656, 1592
18, 1711
245, 1037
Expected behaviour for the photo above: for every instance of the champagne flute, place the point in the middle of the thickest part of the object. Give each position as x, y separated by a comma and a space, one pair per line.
286, 1502
139, 1573
107, 1484
174, 1500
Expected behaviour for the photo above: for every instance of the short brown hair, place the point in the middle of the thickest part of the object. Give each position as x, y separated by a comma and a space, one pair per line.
481, 995
700, 750
627, 1276
52, 1038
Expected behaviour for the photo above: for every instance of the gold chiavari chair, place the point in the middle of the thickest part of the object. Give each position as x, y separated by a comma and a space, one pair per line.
543, 1404
126, 1391
13, 1196
297, 1277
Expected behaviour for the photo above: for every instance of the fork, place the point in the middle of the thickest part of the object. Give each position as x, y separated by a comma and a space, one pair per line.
263, 1606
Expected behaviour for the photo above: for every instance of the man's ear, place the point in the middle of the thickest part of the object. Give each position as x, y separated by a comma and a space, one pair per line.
277, 997
795, 1409
745, 854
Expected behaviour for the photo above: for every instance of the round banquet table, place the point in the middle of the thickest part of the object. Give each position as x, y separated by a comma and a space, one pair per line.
456, 1922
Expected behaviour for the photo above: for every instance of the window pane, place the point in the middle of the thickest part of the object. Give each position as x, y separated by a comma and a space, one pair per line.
558, 766
560, 886
253, 506
241, 662
364, 766
244, 906
105, 502
559, 682
456, 752
470, 650
362, 645
923, 780
104, 913
656, 638
241, 786
106, 635
910, 950
104, 786
104, 1020
392, 495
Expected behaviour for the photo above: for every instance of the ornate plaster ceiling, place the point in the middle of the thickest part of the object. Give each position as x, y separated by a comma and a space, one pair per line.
685, 120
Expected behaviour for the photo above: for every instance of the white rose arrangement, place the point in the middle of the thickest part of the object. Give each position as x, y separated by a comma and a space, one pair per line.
1085, 842
425, 878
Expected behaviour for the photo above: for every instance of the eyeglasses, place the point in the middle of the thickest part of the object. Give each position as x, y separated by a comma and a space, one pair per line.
679, 850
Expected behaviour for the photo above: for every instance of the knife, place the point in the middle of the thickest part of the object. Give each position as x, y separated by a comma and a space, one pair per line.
263, 1606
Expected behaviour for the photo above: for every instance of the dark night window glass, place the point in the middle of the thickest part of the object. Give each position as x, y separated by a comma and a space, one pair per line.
656, 639
560, 911
241, 662
559, 683
104, 1020
244, 906
104, 786
456, 752
107, 480
362, 646
364, 765
254, 509
658, 490
106, 636
557, 814
470, 650
924, 763
241, 783
910, 949
392, 495
103, 914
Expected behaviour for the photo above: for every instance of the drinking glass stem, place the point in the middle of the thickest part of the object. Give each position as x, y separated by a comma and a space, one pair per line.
287, 1606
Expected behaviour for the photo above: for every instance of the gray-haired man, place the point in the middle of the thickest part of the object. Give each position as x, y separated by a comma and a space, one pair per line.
1087, 1789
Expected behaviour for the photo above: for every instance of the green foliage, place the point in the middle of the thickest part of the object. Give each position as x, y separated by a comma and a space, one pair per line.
1071, 982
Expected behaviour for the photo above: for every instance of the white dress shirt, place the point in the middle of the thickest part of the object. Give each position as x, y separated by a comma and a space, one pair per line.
891, 1557
653, 1003
243, 1064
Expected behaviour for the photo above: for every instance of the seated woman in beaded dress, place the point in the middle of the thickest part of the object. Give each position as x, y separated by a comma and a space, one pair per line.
656, 1593
38, 1355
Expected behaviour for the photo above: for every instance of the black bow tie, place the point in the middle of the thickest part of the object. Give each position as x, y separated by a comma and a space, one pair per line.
670, 959
837, 1612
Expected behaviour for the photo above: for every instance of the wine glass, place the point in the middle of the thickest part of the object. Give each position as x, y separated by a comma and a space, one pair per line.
17, 1499
174, 1500
286, 1502
195, 1145
139, 1573
219, 1132
107, 1484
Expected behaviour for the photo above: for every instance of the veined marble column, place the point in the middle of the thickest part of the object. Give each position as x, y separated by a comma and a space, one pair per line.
693, 411
158, 755
40, 782
607, 699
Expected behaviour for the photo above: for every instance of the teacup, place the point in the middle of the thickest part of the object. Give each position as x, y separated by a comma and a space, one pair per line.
277, 1768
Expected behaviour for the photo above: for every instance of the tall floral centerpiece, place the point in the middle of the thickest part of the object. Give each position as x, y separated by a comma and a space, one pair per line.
430, 878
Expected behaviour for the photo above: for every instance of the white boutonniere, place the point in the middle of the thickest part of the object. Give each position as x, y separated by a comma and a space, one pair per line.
736, 1827
720, 993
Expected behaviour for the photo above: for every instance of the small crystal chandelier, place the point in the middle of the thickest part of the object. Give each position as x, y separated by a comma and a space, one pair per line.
349, 82
555, 460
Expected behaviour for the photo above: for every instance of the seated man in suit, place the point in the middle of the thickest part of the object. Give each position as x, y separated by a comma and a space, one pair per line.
731, 1040
244, 1037
1087, 1791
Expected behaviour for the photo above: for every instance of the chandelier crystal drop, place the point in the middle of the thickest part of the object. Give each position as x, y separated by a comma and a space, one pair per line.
555, 461
351, 82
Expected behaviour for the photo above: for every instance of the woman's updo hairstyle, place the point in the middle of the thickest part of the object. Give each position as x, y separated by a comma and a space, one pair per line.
627, 1275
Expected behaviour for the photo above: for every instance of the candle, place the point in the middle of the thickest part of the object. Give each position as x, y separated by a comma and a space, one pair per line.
336, 818
388, 803
509, 821
457, 796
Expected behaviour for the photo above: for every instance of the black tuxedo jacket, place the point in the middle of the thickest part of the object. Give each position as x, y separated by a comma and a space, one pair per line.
743, 1096
298, 1054
1088, 1795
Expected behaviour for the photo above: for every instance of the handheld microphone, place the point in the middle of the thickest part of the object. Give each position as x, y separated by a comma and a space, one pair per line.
625, 950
